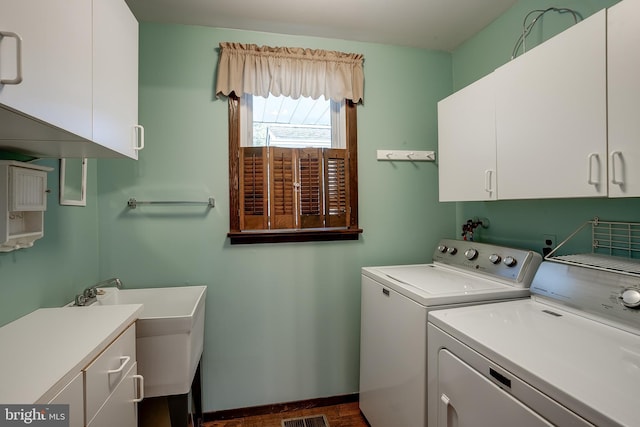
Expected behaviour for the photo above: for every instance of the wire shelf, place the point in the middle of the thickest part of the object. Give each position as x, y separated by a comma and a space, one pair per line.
615, 246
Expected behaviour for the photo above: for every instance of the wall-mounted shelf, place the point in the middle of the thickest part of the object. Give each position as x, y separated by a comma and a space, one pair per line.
614, 246
23, 201
407, 155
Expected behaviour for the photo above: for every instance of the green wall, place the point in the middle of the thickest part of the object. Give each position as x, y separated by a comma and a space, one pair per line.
524, 223
59, 265
283, 320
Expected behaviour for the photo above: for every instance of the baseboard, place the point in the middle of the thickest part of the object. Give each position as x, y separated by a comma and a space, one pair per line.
275, 408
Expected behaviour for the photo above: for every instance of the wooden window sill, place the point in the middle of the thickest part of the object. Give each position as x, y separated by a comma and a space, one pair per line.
288, 236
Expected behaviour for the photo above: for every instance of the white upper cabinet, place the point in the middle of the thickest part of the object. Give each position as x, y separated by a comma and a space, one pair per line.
467, 143
115, 77
551, 117
55, 53
68, 78
623, 56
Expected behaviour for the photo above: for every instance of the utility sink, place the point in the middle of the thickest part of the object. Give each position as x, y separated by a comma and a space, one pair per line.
169, 334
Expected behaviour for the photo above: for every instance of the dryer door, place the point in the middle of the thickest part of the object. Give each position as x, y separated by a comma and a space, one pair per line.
469, 399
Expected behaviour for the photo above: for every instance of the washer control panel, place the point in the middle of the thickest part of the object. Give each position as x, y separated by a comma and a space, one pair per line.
514, 265
613, 297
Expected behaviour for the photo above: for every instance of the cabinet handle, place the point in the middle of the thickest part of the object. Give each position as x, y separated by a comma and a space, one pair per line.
18, 79
613, 167
140, 387
123, 362
487, 180
139, 137
590, 158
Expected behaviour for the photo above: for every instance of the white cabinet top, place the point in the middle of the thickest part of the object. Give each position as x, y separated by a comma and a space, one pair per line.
44, 350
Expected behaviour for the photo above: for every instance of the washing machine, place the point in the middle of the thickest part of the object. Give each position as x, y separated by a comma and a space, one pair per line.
394, 307
568, 356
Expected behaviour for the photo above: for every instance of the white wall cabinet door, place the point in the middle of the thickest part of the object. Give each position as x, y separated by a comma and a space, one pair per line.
623, 58
56, 61
69, 78
551, 117
115, 77
467, 143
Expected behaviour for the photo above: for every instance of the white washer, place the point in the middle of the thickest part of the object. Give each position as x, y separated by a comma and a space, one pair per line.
394, 308
569, 356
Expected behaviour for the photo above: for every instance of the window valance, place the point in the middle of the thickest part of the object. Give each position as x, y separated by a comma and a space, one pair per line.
294, 72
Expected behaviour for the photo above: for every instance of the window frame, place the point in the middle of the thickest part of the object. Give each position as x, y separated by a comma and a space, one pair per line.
351, 232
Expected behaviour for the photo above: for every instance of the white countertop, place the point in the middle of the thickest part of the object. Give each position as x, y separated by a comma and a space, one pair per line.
42, 351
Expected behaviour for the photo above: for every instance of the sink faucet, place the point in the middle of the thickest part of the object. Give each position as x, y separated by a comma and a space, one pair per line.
89, 295
109, 282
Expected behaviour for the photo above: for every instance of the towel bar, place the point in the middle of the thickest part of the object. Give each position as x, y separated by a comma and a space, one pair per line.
133, 203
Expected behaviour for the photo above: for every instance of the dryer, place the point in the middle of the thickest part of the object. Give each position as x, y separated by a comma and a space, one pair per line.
395, 303
568, 356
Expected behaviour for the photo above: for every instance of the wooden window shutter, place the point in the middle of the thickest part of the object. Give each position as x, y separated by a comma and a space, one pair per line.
336, 173
310, 188
282, 179
253, 188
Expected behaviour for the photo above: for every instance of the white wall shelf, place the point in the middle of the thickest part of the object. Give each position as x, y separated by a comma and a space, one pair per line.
23, 201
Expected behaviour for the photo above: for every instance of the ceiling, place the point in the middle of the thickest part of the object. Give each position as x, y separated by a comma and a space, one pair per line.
429, 24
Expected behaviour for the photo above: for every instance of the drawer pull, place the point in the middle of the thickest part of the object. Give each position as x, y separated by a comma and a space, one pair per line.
140, 387
123, 362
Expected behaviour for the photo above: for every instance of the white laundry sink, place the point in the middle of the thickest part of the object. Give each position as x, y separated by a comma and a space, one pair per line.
169, 334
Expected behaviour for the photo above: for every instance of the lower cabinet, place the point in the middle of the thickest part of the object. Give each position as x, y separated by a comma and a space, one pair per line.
111, 385
73, 395
106, 392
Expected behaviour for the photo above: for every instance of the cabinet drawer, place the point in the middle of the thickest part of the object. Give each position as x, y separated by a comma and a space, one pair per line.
120, 409
104, 374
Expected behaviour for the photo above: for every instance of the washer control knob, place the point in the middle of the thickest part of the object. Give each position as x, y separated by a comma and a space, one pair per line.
471, 254
510, 261
442, 248
631, 298
494, 258
452, 251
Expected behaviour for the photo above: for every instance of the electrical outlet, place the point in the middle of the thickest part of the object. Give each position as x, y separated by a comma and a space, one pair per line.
549, 240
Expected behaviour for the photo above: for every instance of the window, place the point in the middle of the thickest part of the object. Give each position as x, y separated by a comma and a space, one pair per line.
293, 172
292, 153
282, 121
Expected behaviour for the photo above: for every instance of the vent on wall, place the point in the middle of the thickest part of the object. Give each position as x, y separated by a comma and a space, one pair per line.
311, 421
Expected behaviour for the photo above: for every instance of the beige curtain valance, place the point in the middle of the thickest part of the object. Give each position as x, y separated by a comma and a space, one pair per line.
294, 72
